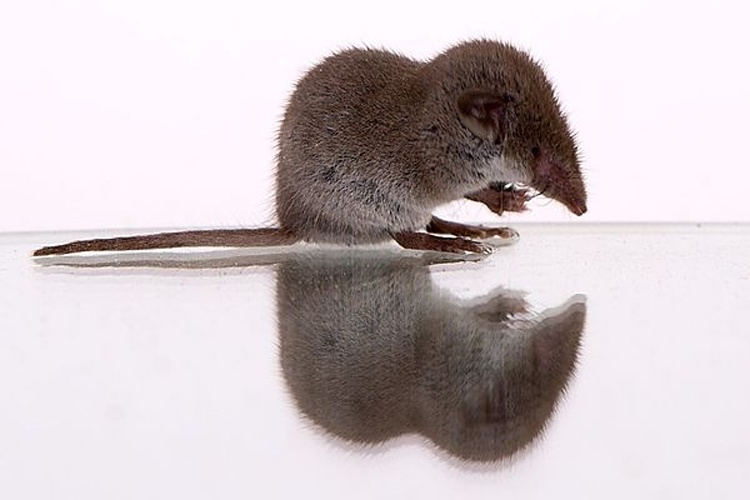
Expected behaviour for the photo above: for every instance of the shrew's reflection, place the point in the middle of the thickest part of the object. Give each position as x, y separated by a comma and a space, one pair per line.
371, 349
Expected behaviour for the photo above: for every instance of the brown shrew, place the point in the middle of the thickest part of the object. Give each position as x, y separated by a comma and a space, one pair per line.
372, 142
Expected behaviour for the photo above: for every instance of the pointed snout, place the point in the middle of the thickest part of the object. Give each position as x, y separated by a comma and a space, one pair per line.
572, 195
578, 208
562, 183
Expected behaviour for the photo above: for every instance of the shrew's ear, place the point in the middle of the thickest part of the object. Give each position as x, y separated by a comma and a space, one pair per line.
485, 114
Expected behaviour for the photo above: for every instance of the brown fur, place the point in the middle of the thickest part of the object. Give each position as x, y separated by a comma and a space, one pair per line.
201, 238
372, 142
371, 349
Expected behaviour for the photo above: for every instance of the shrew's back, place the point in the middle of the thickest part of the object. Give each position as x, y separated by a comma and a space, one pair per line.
338, 175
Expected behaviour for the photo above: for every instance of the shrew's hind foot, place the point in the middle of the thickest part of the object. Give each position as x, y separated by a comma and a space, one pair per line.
440, 226
429, 242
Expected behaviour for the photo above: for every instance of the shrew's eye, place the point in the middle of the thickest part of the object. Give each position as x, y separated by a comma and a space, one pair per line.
536, 151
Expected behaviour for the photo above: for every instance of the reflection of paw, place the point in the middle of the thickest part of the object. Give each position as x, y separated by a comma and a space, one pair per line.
474, 247
429, 242
501, 232
460, 246
499, 236
502, 308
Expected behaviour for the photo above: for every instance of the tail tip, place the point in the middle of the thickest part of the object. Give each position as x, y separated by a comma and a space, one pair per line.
43, 252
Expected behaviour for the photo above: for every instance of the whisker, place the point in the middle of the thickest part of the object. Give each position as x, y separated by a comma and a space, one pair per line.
539, 193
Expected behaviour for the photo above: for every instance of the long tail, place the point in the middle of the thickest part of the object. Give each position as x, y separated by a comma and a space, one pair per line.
267, 236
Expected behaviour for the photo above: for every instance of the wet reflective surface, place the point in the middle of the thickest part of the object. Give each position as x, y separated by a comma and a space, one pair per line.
206, 376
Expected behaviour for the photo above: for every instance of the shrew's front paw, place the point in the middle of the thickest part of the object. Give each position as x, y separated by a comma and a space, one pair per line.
502, 198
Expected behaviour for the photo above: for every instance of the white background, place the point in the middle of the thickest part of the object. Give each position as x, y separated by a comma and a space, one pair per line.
162, 113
